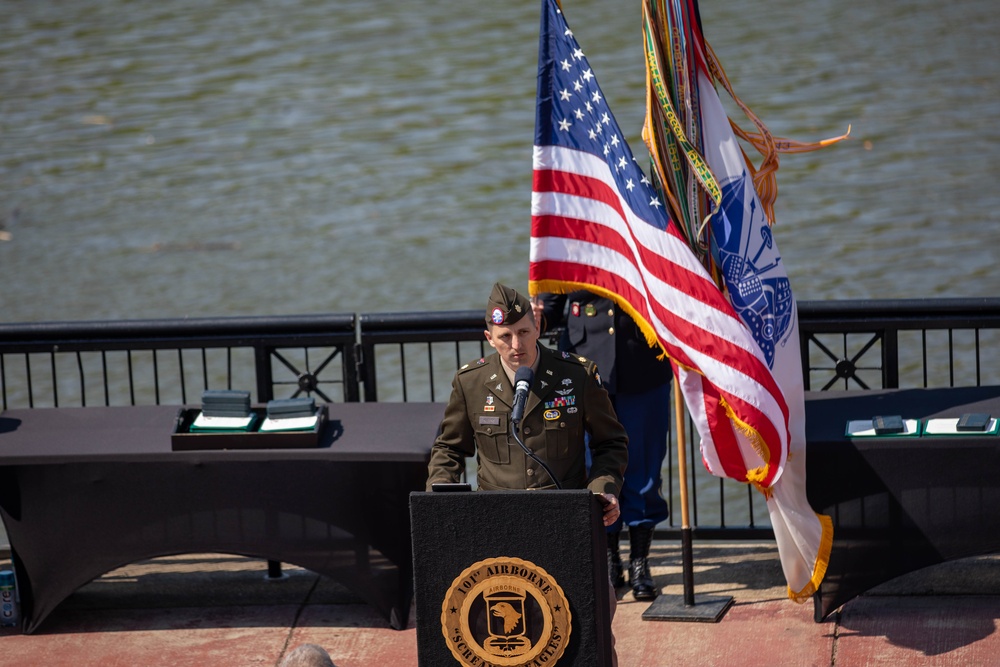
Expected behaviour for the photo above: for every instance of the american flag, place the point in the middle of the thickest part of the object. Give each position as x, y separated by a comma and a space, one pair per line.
598, 224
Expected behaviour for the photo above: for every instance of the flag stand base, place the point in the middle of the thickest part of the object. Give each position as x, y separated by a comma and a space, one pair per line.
687, 607
706, 608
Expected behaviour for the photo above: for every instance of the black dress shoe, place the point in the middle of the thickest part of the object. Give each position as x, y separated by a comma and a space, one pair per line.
641, 580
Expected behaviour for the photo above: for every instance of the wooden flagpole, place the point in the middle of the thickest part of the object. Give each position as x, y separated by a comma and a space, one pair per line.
685, 607
687, 567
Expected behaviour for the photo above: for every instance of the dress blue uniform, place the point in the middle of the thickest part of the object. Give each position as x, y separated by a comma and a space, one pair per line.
639, 384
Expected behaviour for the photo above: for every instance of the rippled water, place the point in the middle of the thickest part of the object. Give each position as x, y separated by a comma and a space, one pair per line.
223, 158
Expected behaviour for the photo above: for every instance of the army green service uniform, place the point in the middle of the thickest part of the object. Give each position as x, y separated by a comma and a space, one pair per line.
565, 402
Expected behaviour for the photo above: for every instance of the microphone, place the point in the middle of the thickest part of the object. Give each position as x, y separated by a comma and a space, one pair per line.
522, 383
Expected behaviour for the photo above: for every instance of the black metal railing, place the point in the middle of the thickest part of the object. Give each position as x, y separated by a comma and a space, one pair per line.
410, 356
856, 345
899, 343
172, 361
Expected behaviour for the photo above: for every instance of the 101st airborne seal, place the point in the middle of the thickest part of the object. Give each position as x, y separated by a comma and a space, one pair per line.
505, 612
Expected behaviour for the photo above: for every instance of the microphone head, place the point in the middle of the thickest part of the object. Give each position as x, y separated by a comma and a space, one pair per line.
523, 374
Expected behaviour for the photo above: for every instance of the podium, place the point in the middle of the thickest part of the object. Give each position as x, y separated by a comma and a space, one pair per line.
510, 578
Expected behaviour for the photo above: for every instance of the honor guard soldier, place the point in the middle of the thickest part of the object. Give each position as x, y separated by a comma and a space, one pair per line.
638, 381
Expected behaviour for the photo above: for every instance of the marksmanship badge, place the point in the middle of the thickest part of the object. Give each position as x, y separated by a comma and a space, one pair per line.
505, 612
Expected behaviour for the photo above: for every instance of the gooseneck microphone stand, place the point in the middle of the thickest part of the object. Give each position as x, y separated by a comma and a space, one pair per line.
531, 455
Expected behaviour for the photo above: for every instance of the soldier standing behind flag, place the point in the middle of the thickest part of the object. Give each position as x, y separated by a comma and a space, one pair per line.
639, 385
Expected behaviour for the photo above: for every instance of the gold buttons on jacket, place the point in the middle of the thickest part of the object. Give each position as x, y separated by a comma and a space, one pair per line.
611, 312
611, 330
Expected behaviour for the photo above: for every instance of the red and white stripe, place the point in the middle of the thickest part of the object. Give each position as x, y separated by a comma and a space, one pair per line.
585, 236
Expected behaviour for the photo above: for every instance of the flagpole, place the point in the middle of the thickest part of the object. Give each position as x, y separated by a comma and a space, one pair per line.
687, 607
687, 567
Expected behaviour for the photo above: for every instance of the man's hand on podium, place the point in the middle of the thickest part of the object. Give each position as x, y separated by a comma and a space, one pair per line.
611, 509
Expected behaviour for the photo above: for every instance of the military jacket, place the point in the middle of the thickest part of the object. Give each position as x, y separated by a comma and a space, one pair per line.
599, 330
566, 401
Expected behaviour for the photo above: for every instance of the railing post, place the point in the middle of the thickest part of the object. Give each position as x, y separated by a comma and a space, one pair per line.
890, 358
353, 366
804, 355
262, 365
368, 372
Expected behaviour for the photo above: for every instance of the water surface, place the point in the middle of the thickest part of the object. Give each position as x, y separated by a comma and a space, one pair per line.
234, 158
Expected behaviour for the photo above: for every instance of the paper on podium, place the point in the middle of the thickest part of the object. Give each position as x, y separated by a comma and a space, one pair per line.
949, 426
203, 423
863, 428
290, 424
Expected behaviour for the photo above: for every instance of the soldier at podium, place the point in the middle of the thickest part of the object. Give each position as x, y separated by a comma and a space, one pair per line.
565, 403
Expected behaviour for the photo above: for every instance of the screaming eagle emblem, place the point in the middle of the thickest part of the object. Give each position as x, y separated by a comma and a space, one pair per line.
505, 612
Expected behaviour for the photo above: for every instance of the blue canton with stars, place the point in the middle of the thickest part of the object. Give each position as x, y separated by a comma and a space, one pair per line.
572, 113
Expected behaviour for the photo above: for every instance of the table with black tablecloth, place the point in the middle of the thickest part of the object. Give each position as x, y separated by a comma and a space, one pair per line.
86, 490
899, 504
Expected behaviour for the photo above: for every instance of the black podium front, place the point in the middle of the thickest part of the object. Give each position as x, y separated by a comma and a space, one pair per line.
510, 578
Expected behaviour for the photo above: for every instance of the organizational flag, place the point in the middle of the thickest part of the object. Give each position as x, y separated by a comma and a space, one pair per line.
598, 224
743, 250
746, 253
